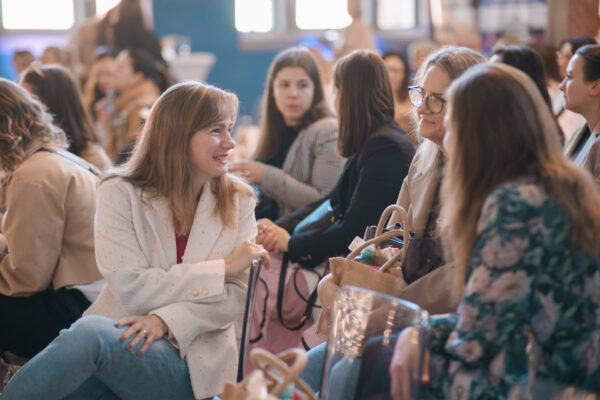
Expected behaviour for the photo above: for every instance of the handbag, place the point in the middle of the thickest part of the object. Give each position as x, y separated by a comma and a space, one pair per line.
320, 217
272, 374
286, 300
423, 255
387, 279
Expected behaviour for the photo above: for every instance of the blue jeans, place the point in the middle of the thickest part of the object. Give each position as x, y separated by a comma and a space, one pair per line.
343, 376
88, 361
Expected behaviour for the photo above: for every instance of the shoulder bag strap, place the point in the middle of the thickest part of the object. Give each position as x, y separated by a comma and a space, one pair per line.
90, 168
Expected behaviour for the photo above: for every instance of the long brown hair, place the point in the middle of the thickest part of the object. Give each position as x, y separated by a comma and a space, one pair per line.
24, 123
57, 89
500, 130
365, 99
273, 125
160, 162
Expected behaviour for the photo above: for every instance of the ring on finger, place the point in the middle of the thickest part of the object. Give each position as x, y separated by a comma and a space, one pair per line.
145, 332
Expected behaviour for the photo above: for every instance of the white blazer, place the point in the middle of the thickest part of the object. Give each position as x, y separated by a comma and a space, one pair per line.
136, 254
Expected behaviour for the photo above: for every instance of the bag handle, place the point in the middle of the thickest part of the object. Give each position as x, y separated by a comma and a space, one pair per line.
378, 239
288, 363
387, 213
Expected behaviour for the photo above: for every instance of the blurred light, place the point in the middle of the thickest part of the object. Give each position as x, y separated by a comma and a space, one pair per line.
392, 14
320, 14
37, 14
102, 6
253, 15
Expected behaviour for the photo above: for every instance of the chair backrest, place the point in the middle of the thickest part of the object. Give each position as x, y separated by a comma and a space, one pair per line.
249, 308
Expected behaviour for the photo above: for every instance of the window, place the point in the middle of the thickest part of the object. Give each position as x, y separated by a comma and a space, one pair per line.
396, 15
102, 6
48, 15
272, 24
254, 15
319, 14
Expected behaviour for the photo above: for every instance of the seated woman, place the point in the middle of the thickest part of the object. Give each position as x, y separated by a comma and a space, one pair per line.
136, 86
173, 239
570, 122
296, 162
55, 87
47, 263
531, 62
399, 71
379, 154
524, 227
419, 194
100, 81
581, 87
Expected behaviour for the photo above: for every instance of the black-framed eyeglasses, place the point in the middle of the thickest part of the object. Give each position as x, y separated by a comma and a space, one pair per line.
434, 102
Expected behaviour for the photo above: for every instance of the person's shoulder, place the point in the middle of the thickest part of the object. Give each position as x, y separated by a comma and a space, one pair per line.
526, 191
388, 137
46, 166
324, 129
242, 191
517, 201
327, 123
117, 186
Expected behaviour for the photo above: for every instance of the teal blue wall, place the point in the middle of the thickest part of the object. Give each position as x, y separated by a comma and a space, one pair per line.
210, 26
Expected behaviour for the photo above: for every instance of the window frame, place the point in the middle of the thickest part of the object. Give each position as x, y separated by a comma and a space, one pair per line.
286, 33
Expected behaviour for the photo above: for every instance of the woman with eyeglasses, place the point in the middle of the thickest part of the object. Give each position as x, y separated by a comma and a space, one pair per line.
419, 194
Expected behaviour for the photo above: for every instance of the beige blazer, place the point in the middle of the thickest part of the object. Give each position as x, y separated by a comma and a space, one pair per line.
433, 292
48, 226
417, 194
136, 253
592, 160
311, 168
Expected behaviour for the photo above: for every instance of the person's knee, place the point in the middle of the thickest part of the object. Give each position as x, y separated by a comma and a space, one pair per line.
92, 329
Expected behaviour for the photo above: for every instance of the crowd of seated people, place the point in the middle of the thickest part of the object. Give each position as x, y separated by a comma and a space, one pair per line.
127, 233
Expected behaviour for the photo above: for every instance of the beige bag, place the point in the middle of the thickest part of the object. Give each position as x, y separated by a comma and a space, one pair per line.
387, 279
276, 373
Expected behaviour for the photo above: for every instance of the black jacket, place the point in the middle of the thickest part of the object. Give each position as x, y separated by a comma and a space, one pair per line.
371, 181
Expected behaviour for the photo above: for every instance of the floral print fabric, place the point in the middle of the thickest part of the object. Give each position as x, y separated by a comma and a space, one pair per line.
523, 274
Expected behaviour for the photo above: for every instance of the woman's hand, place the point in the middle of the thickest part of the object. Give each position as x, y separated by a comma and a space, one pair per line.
252, 171
404, 367
273, 237
242, 257
147, 328
327, 290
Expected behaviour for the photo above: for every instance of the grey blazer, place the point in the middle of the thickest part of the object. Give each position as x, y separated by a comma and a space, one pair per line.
310, 169
591, 161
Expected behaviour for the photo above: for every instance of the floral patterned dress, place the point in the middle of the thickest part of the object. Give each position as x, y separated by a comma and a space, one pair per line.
522, 274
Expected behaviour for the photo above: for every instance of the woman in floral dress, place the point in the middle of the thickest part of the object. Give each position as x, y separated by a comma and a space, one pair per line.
524, 230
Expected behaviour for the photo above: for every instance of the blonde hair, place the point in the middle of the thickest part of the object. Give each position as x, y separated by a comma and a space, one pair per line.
501, 130
454, 60
160, 162
25, 126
